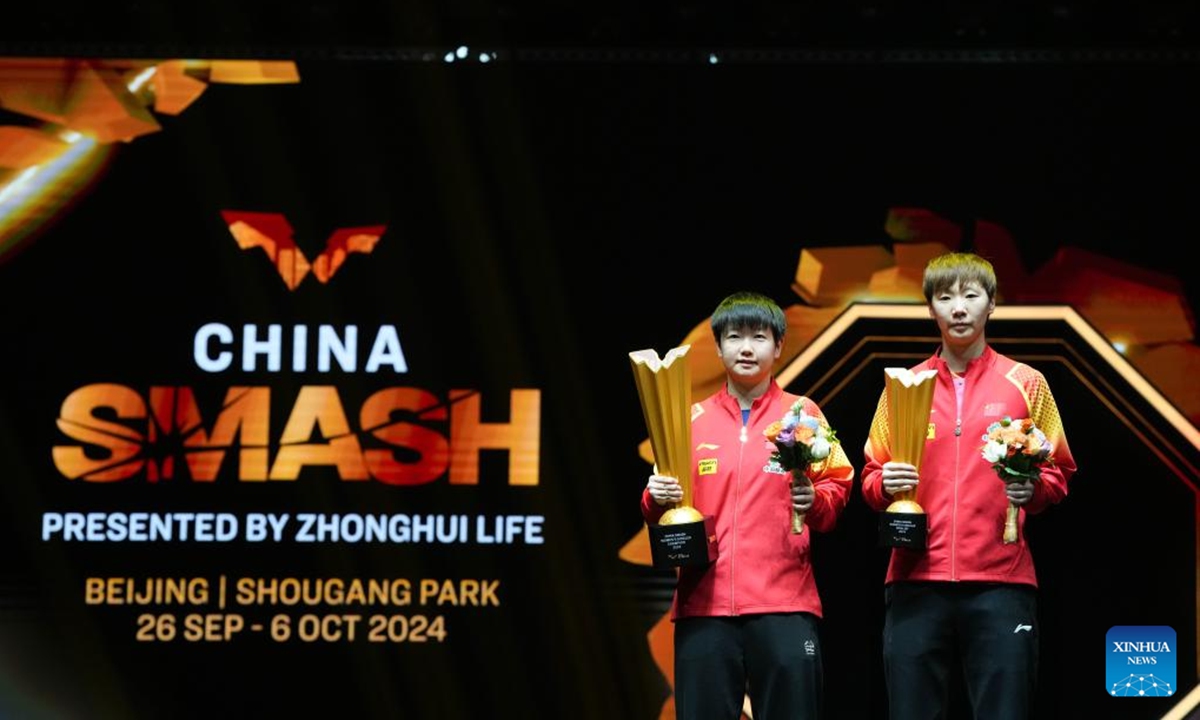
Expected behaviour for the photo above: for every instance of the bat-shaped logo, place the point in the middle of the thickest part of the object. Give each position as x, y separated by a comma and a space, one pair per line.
273, 233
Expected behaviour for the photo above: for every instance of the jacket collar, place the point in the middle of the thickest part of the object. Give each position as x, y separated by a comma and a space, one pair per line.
987, 359
730, 403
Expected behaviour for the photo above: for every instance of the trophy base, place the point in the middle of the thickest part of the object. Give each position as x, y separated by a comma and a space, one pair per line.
903, 530
683, 544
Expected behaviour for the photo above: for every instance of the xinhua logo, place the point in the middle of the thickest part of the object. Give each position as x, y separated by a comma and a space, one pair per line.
1140, 661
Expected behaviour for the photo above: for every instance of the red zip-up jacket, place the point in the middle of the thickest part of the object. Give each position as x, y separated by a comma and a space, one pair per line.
761, 567
961, 494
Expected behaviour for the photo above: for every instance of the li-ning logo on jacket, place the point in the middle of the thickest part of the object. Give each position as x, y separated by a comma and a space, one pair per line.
273, 233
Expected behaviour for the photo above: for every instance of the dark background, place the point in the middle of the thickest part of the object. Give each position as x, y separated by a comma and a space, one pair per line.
595, 189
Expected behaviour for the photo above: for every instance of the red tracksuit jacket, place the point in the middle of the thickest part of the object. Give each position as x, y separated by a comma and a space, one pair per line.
761, 566
962, 495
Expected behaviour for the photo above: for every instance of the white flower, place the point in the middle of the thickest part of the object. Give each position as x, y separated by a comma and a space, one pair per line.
994, 451
819, 448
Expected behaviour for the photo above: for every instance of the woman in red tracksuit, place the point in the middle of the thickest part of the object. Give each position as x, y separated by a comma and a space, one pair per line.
747, 623
968, 595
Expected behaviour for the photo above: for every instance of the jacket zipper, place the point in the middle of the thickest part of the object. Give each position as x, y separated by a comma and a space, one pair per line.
733, 609
957, 476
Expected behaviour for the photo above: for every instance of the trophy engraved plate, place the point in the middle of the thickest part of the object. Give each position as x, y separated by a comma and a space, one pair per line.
681, 544
903, 528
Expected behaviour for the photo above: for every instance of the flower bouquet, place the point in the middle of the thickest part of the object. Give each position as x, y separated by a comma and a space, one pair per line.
796, 441
1017, 450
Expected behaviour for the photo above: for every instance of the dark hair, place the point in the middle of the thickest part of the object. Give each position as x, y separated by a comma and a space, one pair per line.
944, 271
748, 310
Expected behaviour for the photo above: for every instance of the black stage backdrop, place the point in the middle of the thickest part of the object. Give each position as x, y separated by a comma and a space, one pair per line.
542, 217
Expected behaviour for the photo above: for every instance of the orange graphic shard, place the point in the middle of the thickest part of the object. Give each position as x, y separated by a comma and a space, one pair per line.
22, 147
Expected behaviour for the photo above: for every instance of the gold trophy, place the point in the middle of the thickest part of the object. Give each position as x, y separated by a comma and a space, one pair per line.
683, 536
909, 400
